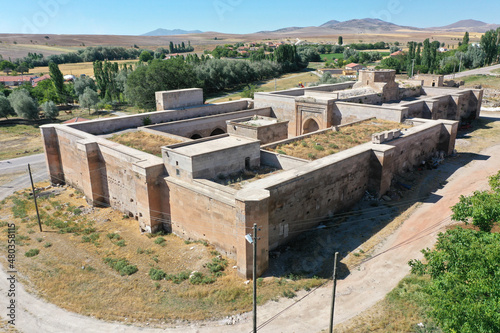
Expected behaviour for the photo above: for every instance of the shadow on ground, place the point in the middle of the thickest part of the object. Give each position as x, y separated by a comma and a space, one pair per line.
311, 253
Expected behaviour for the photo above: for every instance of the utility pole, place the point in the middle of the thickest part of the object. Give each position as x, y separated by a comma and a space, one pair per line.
460, 66
34, 198
334, 291
254, 277
275, 85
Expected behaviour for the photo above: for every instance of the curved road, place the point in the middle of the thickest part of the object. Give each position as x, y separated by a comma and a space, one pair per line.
308, 312
477, 71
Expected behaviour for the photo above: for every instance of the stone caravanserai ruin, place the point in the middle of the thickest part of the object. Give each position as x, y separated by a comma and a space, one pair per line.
184, 191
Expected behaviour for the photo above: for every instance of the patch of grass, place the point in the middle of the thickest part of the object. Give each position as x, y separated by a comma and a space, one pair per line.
121, 265
218, 264
114, 236
19, 140
160, 241
92, 238
20, 207
178, 278
32, 252
121, 243
47, 244
486, 81
146, 142
289, 294
200, 278
157, 274
313, 147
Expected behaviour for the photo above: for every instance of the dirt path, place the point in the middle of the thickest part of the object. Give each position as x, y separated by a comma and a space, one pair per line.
477, 71
360, 290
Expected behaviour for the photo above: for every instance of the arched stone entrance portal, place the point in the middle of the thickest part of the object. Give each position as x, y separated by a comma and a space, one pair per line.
310, 125
196, 136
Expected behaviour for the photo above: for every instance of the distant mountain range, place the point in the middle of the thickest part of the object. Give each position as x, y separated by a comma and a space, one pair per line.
367, 25
166, 32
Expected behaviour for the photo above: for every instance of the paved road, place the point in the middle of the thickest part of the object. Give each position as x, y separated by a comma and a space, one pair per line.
477, 71
15, 166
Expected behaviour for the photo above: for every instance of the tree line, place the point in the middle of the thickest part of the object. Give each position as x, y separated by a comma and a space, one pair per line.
426, 58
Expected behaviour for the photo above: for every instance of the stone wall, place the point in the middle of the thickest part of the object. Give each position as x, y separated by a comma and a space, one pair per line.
204, 126
348, 112
264, 133
167, 100
110, 125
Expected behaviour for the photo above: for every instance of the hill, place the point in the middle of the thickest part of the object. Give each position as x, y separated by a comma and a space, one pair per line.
467, 25
166, 32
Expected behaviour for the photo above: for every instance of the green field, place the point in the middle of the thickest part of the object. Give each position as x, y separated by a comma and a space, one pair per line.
331, 56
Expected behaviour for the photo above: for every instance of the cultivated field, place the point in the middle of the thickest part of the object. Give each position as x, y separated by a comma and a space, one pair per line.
77, 69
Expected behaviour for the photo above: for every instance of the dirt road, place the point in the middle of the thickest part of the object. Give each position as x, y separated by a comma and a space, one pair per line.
360, 290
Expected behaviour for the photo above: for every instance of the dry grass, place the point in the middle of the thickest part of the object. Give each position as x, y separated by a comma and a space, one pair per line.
331, 142
284, 82
78, 68
486, 81
400, 311
19, 140
146, 142
71, 273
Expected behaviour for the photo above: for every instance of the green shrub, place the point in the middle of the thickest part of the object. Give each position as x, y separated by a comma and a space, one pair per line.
217, 265
121, 243
157, 274
92, 238
281, 152
114, 236
47, 244
319, 147
160, 241
179, 278
32, 252
121, 265
199, 278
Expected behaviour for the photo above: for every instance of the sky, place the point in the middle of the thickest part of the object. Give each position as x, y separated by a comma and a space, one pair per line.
128, 17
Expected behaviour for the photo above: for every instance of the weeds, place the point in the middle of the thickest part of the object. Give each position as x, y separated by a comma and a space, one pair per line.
122, 266
157, 274
32, 252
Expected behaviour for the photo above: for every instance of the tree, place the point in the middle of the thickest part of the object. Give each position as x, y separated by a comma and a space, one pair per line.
22, 69
463, 293
23, 104
50, 110
5, 107
340, 40
157, 76
83, 82
483, 207
57, 78
145, 56
88, 99
465, 40
46, 91
489, 43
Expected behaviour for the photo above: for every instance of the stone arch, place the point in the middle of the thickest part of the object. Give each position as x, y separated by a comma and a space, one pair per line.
310, 125
196, 136
217, 131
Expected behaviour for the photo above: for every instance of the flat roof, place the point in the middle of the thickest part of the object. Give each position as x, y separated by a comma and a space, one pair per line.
204, 147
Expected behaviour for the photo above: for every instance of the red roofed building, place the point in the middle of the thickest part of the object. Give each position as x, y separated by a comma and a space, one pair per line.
13, 81
39, 79
395, 54
354, 67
